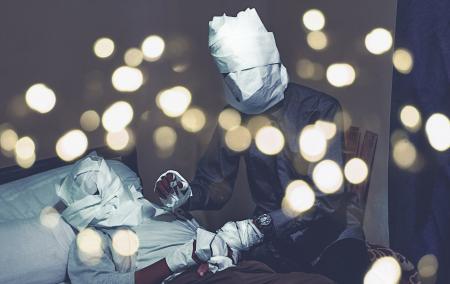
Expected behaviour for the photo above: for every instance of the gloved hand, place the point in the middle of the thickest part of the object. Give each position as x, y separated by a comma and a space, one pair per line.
173, 190
207, 246
240, 235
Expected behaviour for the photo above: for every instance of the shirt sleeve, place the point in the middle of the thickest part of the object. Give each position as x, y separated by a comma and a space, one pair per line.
325, 204
213, 183
96, 266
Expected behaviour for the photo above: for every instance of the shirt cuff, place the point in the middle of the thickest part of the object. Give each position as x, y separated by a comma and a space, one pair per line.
279, 220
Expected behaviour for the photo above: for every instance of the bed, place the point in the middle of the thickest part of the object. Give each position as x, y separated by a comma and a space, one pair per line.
34, 241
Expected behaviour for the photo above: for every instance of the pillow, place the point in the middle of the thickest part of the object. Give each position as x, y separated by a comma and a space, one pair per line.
25, 198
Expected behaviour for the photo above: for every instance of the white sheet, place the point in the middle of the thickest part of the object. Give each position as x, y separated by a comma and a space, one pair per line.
29, 251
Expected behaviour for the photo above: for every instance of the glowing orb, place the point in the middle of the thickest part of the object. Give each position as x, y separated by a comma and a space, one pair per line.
317, 40
8, 139
384, 270
238, 138
133, 57
327, 176
404, 153
90, 120
40, 98
229, 118
71, 145
165, 137
356, 171
298, 198
313, 20
341, 74
174, 101
49, 217
437, 129
410, 117
193, 120
378, 41
117, 116
153, 47
125, 242
104, 47
127, 79
403, 60
312, 143
269, 140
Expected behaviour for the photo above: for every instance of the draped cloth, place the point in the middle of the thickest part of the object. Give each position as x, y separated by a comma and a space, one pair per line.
419, 211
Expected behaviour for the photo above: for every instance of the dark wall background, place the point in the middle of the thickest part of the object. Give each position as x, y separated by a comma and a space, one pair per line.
51, 42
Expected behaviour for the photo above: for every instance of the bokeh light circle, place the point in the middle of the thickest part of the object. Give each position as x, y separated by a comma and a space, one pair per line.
404, 153
269, 140
378, 41
327, 176
8, 139
40, 98
437, 129
193, 120
298, 198
341, 74
312, 143
133, 57
104, 47
317, 40
174, 101
117, 116
127, 79
356, 171
25, 148
125, 242
403, 60
410, 117
49, 217
384, 270
427, 266
153, 47
313, 20
238, 138
90, 120
164, 137
72, 145
229, 118
119, 140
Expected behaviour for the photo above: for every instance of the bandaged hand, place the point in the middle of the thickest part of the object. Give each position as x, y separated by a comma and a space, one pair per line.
241, 235
206, 248
173, 190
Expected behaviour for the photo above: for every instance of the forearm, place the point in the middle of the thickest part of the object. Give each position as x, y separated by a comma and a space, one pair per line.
153, 274
207, 195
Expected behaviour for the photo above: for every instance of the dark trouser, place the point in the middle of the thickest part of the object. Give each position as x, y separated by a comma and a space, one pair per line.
345, 262
250, 272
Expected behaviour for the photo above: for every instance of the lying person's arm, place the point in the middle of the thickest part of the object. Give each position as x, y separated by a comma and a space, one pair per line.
91, 259
207, 246
153, 274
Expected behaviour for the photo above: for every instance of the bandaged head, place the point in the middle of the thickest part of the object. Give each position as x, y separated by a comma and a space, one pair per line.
246, 53
96, 196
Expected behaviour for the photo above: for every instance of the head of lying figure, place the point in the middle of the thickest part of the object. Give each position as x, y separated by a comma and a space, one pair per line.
248, 58
95, 195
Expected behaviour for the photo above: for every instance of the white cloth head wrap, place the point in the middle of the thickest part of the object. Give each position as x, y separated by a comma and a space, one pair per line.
96, 196
241, 45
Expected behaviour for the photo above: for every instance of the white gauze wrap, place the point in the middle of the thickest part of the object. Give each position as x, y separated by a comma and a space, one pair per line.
243, 49
95, 195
